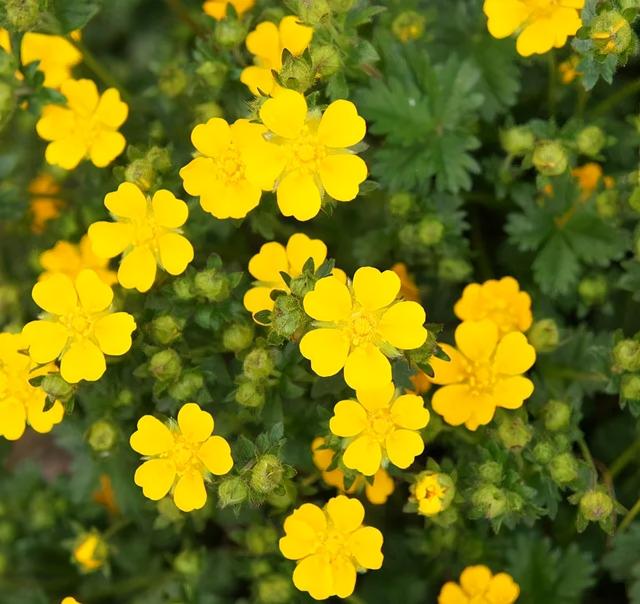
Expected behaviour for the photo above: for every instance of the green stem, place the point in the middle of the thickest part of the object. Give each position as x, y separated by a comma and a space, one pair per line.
627, 456
584, 449
553, 78
631, 514
605, 106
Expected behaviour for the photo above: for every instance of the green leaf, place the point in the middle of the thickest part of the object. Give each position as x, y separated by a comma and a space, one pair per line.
593, 240
623, 562
65, 16
556, 267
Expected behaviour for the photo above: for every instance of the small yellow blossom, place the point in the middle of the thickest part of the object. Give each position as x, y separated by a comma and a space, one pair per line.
78, 326
235, 164
69, 600
44, 204
70, 259
380, 427
432, 492
147, 233
479, 585
314, 152
420, 382
484, 372
541, 24
218, 8
569, 69
408, 288
106, 496
330, 546
266, 43
85, 128
20, 402
358, 326
589, 177
500, 301
90, 552
180, 456
376, 492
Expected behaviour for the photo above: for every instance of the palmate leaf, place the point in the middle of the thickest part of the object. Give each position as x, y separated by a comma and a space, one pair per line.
556, 268
622, 561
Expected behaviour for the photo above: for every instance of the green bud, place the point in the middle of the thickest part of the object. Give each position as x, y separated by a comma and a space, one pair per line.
543, 452
550, 158
173, 80
188, 563
607, 204
595, 505
563, 469
454, 270
489, 501
557, 415
284, 500
213, 285
274, 589
184, 287
102, 436
544, 335
57, 388
187, 386
21, 15
297, 74
7, 533
312, 12
341, 6
325, 60
267, 474
258, 364
401, 204
205, 111
261, 539
160, 158
232, 491
42, 515
124, 398
591, 140
408, 25
237, 337
514, 433
250, 394
626, 356
593, 290
165, 365
165, 329
611, 33
230, 33
515, 502
287, 316
518, 140
634, 199
630, 387
168, 510
213, 73
490, 472
141, 173
430, 231
8, 103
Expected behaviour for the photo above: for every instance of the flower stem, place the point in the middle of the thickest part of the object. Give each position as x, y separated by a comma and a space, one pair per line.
607, 104
620, 462
631, 514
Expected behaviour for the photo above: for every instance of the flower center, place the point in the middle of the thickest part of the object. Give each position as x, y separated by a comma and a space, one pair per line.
380, 424
231, 164
306, 153
79, 323
333, 544
184, 455
480, 376
429, 488
362, 327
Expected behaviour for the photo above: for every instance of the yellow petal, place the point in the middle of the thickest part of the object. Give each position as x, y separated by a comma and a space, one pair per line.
257, 299
505, 16
231, 200
82, 96
451, 371
152, 437
127, 202
302, 529
83, 360
342, 174
294, 36
264, 42
408, 411
156, 477
329, 300
113, 333
298, 196
402, 325
190, 493
345, 513
105, 147
215, 454
66, 152
366, 367
344, 577
451, 593
403, 446
374, 289
56, 295
373, 399
43, 421
213, 138
341, 126
269, 262
454, 403
137, 269
502, 589
12, 418
536, 38
475, 580
477, 339
95, 295
314, 575
514, 354
365, 545
176, 252
168, 211
512, 391
108, 239
198, 176
300, 248
349, 419
259, 80
111, 110
195, 424
285, 115
56, 123
327, 350
363, 454
46, 340
378, 492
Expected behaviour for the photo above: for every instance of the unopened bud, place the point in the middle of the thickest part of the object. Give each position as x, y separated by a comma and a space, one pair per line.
21, 15
630, 387
260, 539
250, 394
563, 469
188, 563
213, 73
543, 452
593, 290
57, 388
258, 364
430, 231
230, 32
90, 552
518, 140
287, 316
491, 472
454, 270
544, 335
341, 6
232, 491
141, 173
489, 501
102, 436
312, 12
165, 365
173, 80
165, 329
401, 204
596, 505
296, 74
267, 474
184, 287
591, 140
325, 60
237, 337
274, 589
203, 112
514, 433
550, 158
634, 199
515, 502
611, 33
607, 204
626, 356
213, 285
408, 25
187, 386
557, 415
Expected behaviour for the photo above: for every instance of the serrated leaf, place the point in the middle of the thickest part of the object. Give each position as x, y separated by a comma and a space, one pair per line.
556, 267
593, 240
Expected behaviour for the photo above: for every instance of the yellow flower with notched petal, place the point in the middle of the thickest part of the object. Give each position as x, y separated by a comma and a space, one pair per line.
266, 43
70, 259
86, 128
377, 492
499, 301
315, 155
330, 546
432, 492
478, 584
380, 427
147, 233
20, 402
44, 205
235, 165
542, 24
484, 372
358, 327
78, 326
218, 8
69, 600
180, 456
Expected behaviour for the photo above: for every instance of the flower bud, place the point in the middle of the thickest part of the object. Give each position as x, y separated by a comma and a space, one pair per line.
593, 290
213, 73
90, 552
184, 287
165, 365
550, 158
274, 589
543, 452
173, 80
258, 364
187, 386
430, 231
267, 474
325, 60
165, 329
124, 398
287, 316
408, 25
490, 472
230, 32
607, 204
237, 337
515, 502
168, 510
21, 15
297, 74
518, 140
433, 492
401, 204
563, 469
57, 388
544, 335
284, 500
611, 33
312, 12
634, 199
232, 491
514, 433
595, 505
102, 436
213, 285
4, 564
188, 563
42, 515
489, 501
261, 539
591, 140
557, 415
203, 112
454, 270
141, 173
626, 356
630, 387
250, 394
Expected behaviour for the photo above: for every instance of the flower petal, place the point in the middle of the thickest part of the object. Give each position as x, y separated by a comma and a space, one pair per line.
213, 138
176, 252
298, 196
152, 437
374, 289
257, 299
269, 262
402, 325
366, 367
327, 350
215, 454
198, 175
363, 454
373, 399
408, 412
329, 300
300, 248
510, 392
505, 16
156, 477
56, 295
95, 295
294, 36
190, 493
342, 174
475, 580
365, 545
314, 575
83, 360
514, 354
169, 211
403, 446
46, 340
349, 419
128, 201
108, 239
345, 513
454, 403
105, 147
195, 424
137, 269
448, 372
344, 577
111, 110
341, 126
113, 333
285, 114
477, 339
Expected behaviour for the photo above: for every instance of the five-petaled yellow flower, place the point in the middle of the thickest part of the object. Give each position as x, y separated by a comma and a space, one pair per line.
479, 585
266, 43
147, 233
484, 372
70, 259
380, 427
235, 164
499, 301
432, 492
180, 456
218, 8
314, 152
542, 24
85, 128
90, 552
377, 492
78, 326
20, 402
358, 327
330, 546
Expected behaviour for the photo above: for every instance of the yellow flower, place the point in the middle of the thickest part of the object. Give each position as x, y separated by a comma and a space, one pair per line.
44, 204
70, 259
499, 301
432, 492
69, 600
147, 233
20, 402
90, 552
266, 43
542, 24
180, 456
106, 496
358, 327
569, 69
315, 156
380, 427
485, 372
218, 8
86, 128
589, 176
420, 382
330, 546
78, 326
408, 288
235, 165
377, 492
478, 585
